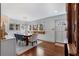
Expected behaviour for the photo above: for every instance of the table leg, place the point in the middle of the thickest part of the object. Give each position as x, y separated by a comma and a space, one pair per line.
26, 41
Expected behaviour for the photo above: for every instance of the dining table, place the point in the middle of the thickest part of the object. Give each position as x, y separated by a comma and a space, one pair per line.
27, 39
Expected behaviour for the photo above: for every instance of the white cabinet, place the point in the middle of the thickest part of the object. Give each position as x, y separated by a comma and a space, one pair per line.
8, 47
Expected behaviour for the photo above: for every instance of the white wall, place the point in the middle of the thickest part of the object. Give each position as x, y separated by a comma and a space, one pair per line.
49, 27
21, 31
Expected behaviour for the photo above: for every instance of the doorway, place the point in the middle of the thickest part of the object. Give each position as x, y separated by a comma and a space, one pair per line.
61, 31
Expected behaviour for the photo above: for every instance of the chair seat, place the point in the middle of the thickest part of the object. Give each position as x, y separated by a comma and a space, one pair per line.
32, 40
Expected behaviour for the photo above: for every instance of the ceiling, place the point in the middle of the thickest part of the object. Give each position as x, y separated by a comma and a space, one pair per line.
32, 11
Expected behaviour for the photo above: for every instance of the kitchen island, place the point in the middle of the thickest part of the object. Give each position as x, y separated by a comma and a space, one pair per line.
8, 46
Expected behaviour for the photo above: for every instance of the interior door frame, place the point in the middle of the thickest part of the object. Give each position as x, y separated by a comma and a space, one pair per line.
56, 33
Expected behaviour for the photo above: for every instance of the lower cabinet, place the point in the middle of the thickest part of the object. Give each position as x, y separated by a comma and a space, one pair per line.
8, 47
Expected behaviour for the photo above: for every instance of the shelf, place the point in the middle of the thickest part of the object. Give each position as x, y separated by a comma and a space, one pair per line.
39, 32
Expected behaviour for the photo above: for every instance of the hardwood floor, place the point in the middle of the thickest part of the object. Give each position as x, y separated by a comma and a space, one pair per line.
45, 49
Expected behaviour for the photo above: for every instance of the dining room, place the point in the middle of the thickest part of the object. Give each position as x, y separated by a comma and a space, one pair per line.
32, 24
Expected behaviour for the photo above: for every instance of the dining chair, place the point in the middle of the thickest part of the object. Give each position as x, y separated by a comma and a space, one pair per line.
33, 39
19, 38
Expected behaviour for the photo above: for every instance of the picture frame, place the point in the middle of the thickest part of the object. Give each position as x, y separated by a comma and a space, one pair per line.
11, 27
14, 26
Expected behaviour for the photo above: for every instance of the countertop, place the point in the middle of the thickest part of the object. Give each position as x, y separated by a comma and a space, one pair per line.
8, 38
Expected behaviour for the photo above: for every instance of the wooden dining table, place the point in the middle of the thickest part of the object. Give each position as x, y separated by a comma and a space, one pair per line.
27, 39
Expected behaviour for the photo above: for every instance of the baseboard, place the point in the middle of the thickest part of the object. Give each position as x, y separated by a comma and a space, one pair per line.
51, 42
45, 41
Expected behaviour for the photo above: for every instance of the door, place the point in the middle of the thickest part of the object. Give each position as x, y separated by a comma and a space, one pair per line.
60, 31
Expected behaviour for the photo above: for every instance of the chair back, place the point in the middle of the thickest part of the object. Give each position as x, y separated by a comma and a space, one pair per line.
33, 37
19, 37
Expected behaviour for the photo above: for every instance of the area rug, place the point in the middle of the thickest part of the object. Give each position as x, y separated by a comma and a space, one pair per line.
23, 48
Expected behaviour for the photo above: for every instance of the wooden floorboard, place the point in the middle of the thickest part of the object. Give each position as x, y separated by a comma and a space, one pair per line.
45, 49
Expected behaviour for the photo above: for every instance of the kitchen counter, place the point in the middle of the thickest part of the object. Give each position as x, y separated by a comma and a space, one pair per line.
8, 46
8, 38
